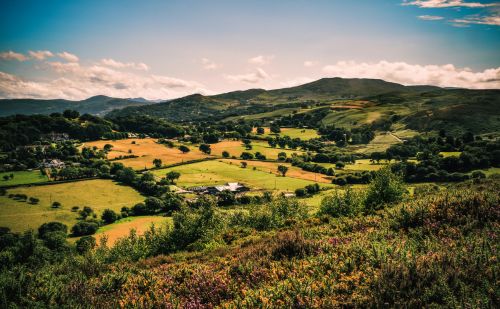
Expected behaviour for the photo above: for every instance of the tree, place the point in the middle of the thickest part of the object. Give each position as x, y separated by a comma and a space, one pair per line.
244, 164
340, 165
126, 175
56, 205
85, 244
205, 148
157, 163
70, 114
109, 216
83, 228
173, 176
282, 169
275, 128
6, 177
49, 227
184, 149
260, 130
225, 154
246, 156
107, 147
385, 189
34, 200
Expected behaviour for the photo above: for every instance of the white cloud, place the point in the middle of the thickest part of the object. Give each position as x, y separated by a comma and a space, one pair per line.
250, 78
10, 55
413, 74
261, 59
68, 57
119, 65
208, 64
492, 20
310, 63
430, 17
40, 54
447, 4
74, 81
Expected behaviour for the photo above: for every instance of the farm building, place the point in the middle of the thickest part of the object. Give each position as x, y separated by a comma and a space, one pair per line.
54, 163
234, 187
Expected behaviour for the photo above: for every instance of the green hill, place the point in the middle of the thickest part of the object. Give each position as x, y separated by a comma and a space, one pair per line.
97, 105
344, 103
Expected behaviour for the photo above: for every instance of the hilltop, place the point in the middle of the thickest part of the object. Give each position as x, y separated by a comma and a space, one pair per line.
96, 105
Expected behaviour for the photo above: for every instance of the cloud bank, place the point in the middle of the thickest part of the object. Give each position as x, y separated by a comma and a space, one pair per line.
73, 80
413, 74
447, 4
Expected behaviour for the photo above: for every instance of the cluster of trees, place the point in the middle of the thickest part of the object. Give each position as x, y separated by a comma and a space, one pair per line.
308, 190
475, 153
363, 177
26, 129
144, 124
342, 137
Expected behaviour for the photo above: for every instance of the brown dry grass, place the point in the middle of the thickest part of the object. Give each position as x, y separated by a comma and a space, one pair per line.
120, 229
147, 150
272, 167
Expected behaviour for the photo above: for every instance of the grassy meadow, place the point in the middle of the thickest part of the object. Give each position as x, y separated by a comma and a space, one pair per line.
113, 232
303, 134
235, 148
22, 178
99, 194
219, 172
147, 149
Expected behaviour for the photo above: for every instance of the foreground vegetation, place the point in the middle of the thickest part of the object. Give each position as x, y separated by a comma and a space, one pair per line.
364, 248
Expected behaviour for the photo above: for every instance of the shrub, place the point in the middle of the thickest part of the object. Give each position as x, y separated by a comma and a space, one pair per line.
291, 244
34, 200
109, 216
386, 188
340, 205
52, 227
300, 192
83, 228
85, 244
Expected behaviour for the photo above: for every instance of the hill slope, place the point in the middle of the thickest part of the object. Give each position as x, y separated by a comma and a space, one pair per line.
344, 103
97, 105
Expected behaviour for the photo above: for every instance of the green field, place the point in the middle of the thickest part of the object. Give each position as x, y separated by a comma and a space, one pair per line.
303, 134
450, 153
235, 148
217, 172
98, 194
23, 178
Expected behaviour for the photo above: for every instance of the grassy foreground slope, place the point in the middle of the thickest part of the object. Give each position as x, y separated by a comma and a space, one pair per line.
438, 249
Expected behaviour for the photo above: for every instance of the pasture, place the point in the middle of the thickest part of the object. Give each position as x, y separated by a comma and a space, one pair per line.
122, 227
22, 178
99, 194
303, 134
293, 171
235, 148
219, 172
147, 150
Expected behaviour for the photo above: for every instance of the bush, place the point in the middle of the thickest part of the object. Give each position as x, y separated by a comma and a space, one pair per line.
83, 228
109, 216
291, 244
85, 244
340, 205
52, 227
386, 188
300, 192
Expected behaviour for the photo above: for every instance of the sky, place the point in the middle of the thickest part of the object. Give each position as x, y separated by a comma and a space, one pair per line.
167, 49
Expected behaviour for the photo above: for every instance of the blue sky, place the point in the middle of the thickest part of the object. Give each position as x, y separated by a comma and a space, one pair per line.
165, 49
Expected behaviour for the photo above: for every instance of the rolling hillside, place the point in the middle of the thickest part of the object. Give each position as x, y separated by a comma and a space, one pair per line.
347, 102
97, 105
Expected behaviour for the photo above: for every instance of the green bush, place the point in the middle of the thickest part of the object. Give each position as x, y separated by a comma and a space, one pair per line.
386, 188
341, 205
83, 228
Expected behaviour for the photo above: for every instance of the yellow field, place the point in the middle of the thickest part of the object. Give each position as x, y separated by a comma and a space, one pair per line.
121, 228
235, 148
293, 171
147, 150
303, 134
98, 194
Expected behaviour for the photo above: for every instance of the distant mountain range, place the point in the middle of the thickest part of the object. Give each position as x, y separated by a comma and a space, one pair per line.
97, 105
420, 108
